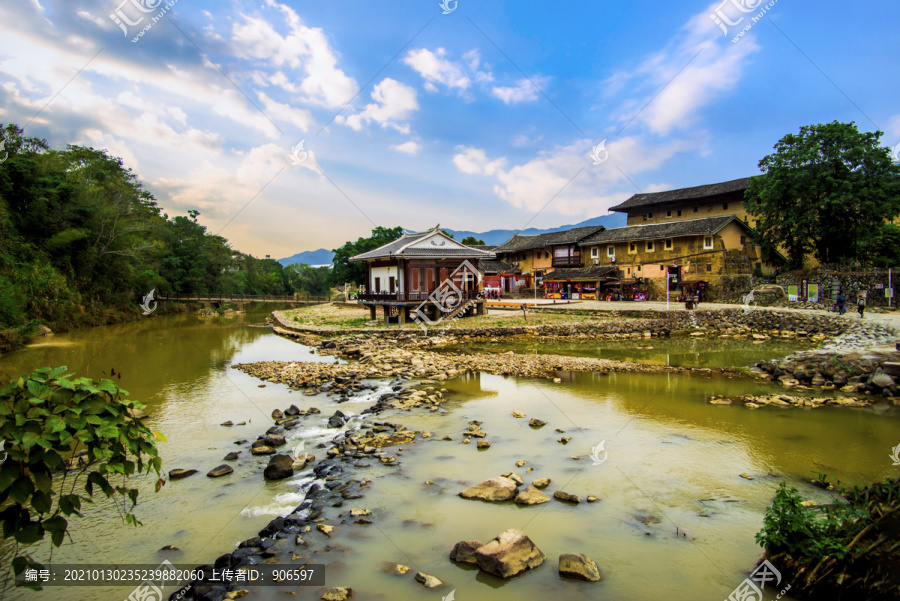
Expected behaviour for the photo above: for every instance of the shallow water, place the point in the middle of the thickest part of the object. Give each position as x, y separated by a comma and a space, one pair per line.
677, 351
672, 460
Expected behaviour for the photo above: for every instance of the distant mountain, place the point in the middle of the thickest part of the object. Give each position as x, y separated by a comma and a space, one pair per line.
501, 236
493, 237
323, 256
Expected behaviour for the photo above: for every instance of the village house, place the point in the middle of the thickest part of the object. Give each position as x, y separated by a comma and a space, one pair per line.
425, 267
694, 253
710, 200
538, 255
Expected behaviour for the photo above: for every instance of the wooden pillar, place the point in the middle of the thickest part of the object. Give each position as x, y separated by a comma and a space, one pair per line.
402, 315
373, 312
387, 316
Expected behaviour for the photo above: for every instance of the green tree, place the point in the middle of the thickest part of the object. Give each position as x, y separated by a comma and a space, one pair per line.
46, 418
308, 280
472, 240
346, 271
827, 191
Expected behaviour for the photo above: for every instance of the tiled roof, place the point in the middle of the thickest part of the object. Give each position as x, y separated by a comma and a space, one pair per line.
401, 248
655, 231
583, 273
518, 242
495, 266
683, 194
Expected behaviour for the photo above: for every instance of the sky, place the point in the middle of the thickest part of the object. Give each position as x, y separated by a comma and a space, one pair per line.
294, 126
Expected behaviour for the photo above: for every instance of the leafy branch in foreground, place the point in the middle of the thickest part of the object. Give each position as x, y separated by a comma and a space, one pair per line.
49, 424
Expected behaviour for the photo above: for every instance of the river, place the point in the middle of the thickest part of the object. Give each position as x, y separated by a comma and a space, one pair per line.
675, 518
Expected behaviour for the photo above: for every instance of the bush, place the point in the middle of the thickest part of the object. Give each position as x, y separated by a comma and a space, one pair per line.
45, 419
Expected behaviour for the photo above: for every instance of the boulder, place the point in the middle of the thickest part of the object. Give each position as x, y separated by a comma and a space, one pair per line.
566, 497
464, 551
292, 410
427, 580
222, 470
232, 455
880, 379
262, 450
580, 567
531, 496
518, 414
337, 420
277, 414
274, 440
338, 593
541, 483
511, 553
536, 423
483, 444
279, 468
178, 474
493, 490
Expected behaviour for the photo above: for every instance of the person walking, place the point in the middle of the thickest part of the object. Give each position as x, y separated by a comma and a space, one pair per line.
861, 303
841, 303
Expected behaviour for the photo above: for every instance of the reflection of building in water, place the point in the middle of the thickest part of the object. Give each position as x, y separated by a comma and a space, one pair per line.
468, 384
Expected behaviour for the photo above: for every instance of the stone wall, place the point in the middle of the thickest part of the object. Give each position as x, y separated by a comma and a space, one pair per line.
849, 279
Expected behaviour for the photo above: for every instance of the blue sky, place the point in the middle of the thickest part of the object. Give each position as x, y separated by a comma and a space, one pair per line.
478, 119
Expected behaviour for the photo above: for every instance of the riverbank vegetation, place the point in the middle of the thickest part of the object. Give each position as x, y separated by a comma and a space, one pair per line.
82, 239
847, 550
63, 440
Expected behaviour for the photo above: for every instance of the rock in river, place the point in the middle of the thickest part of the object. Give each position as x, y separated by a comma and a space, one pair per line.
222, 470
232, 455
464, 551
279, 468
531, 496
566, 497
495, 489
511, 553
427, 580
178, 474
338, 593
262, 450
536, 423
541, 483
580, 567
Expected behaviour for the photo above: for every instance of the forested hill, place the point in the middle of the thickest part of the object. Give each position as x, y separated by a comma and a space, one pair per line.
81, 239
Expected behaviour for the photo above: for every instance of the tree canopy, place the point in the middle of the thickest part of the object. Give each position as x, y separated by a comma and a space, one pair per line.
829, 191
472, 240
79, 235
346, 271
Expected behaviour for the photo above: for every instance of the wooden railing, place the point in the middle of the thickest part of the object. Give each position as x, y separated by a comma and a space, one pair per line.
246, 298
408, 297
573, 261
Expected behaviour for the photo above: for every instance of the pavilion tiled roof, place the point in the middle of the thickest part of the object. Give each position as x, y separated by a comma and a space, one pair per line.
704, 226
705, 192
519, 242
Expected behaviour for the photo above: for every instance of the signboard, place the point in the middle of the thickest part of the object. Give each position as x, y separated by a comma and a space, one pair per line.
792, 293
879, 286
889, 293
803, 284
813, 293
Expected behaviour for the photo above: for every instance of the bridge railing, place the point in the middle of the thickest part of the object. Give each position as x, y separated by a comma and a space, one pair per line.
245, 297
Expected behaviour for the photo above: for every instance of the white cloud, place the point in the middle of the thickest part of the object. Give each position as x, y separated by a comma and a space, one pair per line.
549, 175
524, 91
694, 69
434, 68
303, 48
411, 147
394, 102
